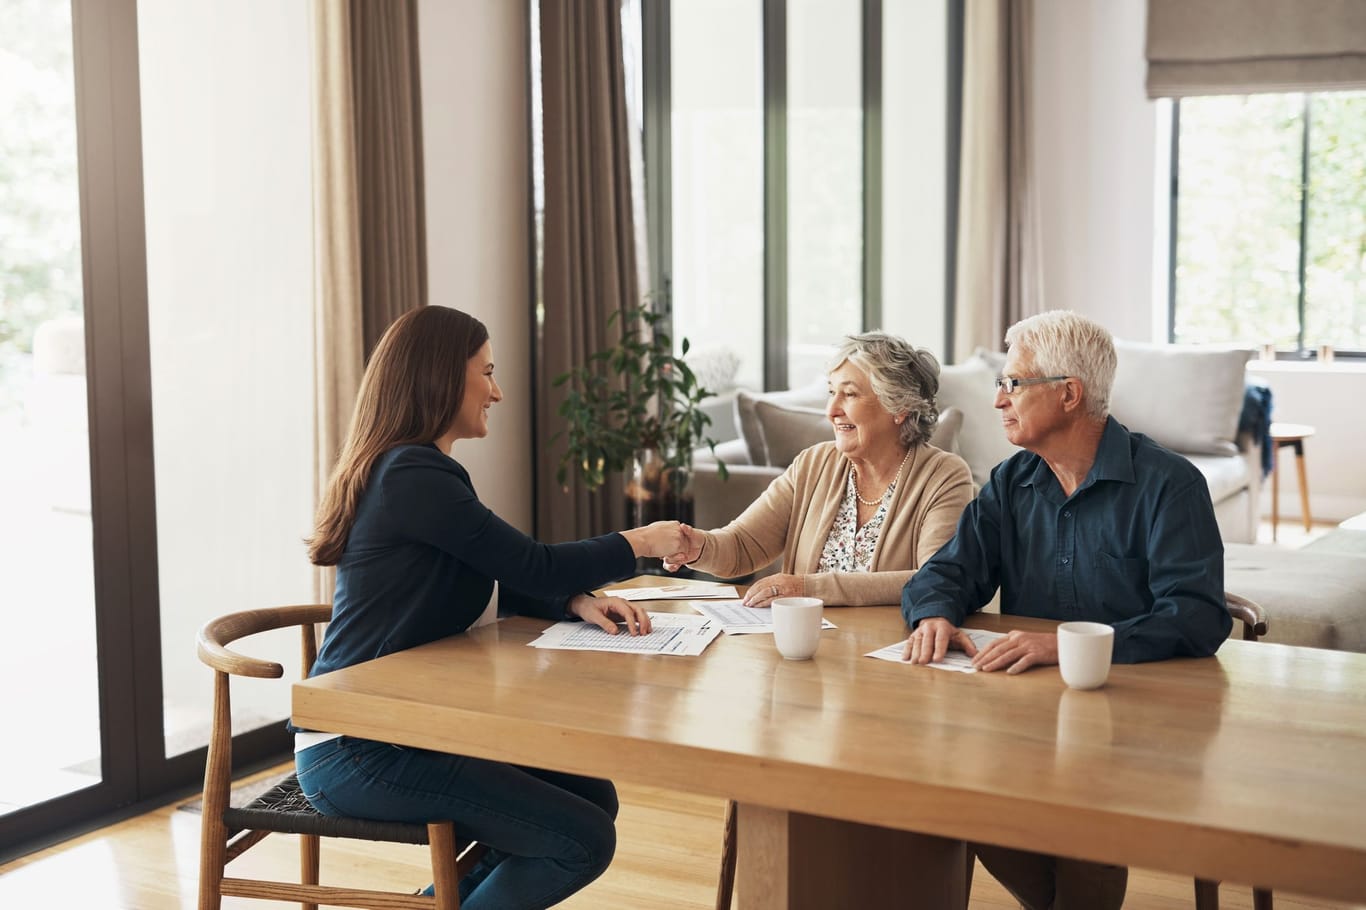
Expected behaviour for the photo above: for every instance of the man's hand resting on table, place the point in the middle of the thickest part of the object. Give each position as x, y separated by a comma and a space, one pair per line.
1015, 653
932, 639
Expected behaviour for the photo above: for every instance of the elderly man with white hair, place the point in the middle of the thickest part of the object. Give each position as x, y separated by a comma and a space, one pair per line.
1090, 522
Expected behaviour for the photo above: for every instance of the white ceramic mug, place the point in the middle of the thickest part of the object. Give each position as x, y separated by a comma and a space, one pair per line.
1084, 650
797, 626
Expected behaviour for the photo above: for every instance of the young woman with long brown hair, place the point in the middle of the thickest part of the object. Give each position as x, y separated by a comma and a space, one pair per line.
417, 555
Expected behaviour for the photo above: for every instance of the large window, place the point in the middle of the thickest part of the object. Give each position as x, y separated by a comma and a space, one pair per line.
1269, 198
763, 157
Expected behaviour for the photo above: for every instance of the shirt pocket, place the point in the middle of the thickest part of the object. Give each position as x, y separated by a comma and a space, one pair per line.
1120, 585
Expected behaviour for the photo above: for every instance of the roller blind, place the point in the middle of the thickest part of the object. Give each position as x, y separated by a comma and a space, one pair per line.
1222, 47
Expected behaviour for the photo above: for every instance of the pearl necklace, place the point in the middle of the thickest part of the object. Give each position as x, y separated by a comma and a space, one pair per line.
877, 502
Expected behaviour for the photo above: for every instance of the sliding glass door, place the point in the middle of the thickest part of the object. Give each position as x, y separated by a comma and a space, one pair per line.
47, 592
155, 387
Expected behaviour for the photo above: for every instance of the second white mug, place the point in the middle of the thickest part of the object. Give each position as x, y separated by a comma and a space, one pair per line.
1084, 650
797, 626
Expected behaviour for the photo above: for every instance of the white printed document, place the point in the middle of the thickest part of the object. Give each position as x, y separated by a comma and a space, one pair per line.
954, 660
676, 592
735, 618
670, 633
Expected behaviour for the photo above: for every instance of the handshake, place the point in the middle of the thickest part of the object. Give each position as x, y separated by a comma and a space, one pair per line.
676, 543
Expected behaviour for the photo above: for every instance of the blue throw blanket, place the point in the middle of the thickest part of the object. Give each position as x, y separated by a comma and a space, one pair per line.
1256, 419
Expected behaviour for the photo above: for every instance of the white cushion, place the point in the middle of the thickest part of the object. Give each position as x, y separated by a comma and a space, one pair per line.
982, 442
1224, 475
1186, 398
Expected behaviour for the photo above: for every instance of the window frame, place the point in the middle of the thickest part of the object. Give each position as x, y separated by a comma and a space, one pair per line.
1302, 353
655, 22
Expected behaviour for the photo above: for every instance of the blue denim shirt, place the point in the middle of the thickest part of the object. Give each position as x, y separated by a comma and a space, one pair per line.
1136, 546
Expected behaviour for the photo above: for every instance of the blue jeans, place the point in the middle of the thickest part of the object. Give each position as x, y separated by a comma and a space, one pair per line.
549, 834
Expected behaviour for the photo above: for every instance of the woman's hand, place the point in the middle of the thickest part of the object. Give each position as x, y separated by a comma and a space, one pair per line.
764, 591
663, 538
691, 552
597, 610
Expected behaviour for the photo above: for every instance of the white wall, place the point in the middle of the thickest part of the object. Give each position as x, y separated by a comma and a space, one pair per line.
1327, 397
475, 151
1093, 143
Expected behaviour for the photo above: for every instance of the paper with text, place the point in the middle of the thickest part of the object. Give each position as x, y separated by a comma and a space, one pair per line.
670, 633
675, 592
954, 660
737, 619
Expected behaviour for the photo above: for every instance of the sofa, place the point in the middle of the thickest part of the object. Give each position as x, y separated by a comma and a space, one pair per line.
1187, 399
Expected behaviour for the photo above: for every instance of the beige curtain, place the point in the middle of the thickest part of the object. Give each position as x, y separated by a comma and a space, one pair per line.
386, 92
369, 244
338, 347
999, 271
590, 264
1218, 47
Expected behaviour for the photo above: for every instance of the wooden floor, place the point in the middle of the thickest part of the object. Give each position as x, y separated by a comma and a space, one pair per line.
669, 846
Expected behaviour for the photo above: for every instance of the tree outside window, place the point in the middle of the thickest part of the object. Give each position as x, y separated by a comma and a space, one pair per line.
1270, 204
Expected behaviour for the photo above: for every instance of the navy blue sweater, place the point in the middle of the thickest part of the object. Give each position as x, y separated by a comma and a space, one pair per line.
423, 554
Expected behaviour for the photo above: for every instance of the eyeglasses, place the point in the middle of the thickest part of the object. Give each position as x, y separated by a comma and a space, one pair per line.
1010, 385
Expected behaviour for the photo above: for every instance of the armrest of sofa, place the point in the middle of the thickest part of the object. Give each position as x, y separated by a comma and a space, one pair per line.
717, 502
732, 452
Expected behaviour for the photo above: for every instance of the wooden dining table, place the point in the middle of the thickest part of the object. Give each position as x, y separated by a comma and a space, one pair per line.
858, 779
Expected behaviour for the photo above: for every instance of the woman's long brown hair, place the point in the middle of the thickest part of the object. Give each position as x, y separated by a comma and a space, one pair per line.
410, 394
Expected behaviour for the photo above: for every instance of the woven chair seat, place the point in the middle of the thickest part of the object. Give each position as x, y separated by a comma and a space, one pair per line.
284, 809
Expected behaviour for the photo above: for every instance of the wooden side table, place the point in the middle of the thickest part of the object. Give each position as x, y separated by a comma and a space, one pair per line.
1294, 435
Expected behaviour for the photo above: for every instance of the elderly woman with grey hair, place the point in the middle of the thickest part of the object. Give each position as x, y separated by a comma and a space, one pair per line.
852, 518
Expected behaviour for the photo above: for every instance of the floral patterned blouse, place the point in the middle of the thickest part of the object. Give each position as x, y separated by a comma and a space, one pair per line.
849, 548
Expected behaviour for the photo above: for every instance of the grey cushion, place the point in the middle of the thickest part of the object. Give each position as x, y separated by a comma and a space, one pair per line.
945, 435
788, 430
1186, 398
969, 387
747, 422
1310, 598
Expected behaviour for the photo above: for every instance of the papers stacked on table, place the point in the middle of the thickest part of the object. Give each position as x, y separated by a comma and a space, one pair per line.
735, 618
671, 633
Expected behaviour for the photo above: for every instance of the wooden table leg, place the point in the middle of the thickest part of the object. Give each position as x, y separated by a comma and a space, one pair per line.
791, 860
1275, 487
1304, 485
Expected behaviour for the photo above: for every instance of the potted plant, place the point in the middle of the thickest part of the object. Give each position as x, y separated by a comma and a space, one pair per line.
636, 408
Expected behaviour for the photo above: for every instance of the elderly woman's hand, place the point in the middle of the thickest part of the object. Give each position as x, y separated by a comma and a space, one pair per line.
765, 590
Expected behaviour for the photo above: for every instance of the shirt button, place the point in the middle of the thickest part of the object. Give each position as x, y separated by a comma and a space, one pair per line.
1067, 514
1065, 560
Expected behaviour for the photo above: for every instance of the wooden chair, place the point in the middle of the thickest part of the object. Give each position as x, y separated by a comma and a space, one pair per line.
229, 832
1253, 618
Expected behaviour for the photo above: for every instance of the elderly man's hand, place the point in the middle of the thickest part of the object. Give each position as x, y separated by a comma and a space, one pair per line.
932, 639
1018, 651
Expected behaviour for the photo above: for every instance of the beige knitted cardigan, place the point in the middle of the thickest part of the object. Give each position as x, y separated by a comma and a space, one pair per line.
794, 516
